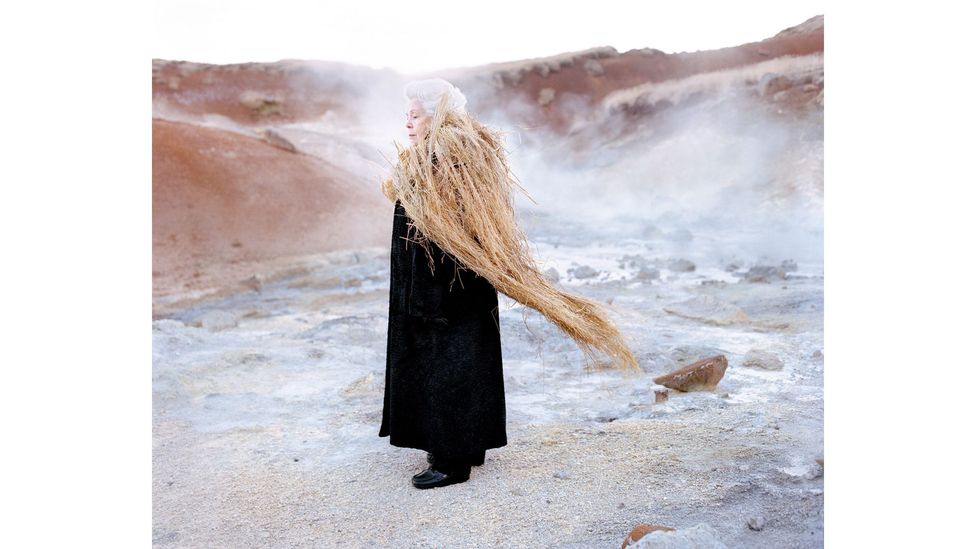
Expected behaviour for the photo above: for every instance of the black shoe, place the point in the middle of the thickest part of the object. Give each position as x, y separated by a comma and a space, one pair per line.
423, 475
433, 478
431, 460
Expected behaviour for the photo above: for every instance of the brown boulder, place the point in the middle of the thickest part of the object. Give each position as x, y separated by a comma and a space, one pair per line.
703, 375
642, 530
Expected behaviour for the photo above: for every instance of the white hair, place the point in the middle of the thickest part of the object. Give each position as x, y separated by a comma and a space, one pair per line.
429, 92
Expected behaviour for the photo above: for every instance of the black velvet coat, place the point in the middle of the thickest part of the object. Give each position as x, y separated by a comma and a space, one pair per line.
444, 385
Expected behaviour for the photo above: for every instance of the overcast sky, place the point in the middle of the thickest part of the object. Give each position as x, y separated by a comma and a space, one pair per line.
422, 36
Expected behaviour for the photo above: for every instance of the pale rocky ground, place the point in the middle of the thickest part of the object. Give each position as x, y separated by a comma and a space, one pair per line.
267, 405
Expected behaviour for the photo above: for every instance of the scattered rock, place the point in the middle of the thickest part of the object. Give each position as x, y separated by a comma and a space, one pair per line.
632, 261
701, 536
275, 139
732, 267
261, 103
763, 273
593, 67
584, 271
802, 472
648, 273
365, 385
771, 83
757, 358
681, 265
703, 375
552, 275
256, 313
546, 95
167, 325
756, 523
216, 321
788, 265
660, 395
656, 362
642, 530
253, 282
562, 475
710, 310
816, 471
817, 354
315, 354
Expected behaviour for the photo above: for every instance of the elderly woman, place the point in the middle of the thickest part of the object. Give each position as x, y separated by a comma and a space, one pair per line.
455, 246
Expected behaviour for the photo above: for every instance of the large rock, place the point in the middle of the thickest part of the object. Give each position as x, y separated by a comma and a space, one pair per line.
764, 273
703, 375
584, 271
642, 530
701, 536
681, 266
757, 358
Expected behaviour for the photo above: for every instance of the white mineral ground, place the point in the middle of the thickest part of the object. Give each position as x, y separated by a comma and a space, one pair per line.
267, 406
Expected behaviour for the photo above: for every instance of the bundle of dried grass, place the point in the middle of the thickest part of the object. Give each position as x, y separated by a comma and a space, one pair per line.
456, 185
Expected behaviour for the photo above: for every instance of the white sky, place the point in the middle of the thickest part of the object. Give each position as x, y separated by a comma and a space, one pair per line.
422, 36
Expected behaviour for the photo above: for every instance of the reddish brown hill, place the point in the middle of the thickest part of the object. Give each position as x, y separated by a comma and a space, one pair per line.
562, 85
261, 93
222, 199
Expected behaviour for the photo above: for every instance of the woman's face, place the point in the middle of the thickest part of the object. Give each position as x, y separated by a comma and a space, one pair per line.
418, 121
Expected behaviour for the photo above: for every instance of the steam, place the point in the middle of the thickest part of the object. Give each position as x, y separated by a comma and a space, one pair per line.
728, 173
720, 177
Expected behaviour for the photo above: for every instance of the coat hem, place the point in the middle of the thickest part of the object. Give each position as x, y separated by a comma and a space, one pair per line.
426, 447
